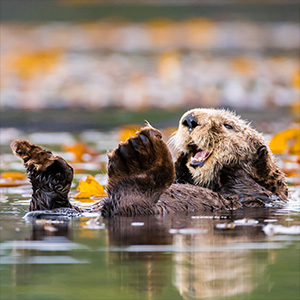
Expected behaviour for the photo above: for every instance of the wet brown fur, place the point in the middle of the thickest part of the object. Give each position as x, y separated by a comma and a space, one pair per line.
50, 176
144, 180
32, 154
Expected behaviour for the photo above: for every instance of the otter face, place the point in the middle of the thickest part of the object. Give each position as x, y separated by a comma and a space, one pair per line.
211, 139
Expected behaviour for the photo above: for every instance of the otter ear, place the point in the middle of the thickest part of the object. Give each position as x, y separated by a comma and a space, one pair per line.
262, 151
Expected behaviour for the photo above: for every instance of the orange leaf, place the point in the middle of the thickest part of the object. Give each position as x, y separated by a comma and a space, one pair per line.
128, 131
78, 149
89, 187
287, 141
13, 175
8, 184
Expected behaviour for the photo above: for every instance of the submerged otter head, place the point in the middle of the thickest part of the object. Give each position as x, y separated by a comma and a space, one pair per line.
211, 139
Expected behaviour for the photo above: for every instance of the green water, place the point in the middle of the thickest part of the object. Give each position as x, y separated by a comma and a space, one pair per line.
169, 257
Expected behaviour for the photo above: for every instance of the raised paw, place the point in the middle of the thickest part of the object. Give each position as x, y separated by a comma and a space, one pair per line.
33, 156
268, 174
51, 176
143, 161
261, 162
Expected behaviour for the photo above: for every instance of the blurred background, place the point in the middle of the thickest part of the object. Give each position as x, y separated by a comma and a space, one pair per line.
78, 64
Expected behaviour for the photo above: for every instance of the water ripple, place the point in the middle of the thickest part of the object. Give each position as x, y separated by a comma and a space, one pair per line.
42, 245
204, 248
60, 259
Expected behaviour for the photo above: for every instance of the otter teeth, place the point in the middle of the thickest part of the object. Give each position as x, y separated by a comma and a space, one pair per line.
200, 158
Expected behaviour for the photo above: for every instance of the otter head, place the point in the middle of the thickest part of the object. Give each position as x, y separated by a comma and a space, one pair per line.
211, 139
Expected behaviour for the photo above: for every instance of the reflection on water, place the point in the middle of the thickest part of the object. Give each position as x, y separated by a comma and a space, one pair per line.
217, 270
177, 256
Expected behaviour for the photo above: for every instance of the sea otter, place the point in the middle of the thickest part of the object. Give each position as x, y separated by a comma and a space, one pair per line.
222, 163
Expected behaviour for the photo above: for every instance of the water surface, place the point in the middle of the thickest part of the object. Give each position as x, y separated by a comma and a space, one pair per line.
249, 254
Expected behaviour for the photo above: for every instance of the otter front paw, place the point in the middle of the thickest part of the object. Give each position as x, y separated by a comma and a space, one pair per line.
268, 174
143, 162
51, 176
34, 157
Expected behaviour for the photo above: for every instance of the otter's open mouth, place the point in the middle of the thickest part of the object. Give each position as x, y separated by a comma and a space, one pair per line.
199, 157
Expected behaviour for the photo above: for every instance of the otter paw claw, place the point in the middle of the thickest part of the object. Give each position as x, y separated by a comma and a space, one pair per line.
262, 151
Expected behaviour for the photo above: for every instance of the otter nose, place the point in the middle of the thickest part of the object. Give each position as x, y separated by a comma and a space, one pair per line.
190, 121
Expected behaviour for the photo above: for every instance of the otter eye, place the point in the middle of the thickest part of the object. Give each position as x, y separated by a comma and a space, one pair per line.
228, 126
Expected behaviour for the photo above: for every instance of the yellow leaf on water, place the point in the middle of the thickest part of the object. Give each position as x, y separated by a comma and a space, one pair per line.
78, 150
128, 131
12, 179
9, 184
287, 141
89, 187
13, 175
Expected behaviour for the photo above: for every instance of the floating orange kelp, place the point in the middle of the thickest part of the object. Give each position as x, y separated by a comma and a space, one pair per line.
89, 187
13, 175
128, 131
12, 179
78, 150
11, 183
286, 142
